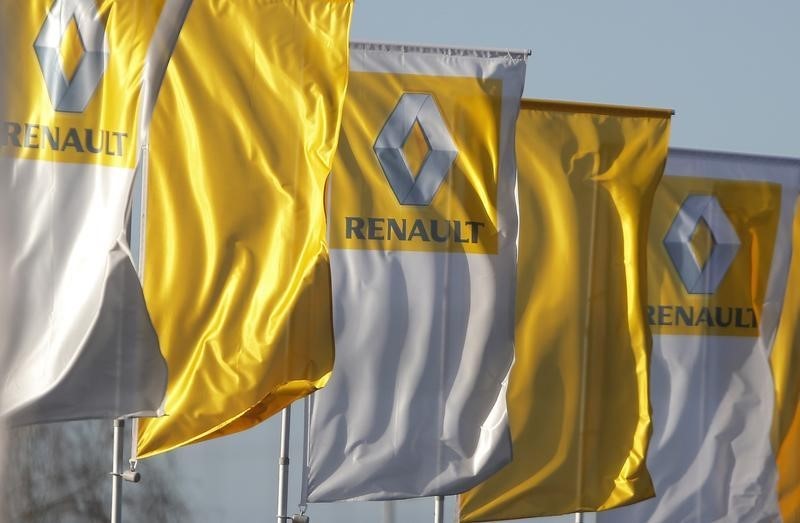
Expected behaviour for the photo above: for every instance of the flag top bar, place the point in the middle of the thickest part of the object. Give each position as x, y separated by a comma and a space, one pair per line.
774, 159
472, 52
586, 107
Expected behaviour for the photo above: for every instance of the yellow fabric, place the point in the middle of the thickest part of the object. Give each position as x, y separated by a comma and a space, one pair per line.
31, 128
468, 194
749, 205
786, 371
236, 273
578, 392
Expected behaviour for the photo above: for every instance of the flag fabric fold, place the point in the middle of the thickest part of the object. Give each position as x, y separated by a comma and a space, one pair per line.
718, 257
578, 404
235, 260
78, 79
422, 230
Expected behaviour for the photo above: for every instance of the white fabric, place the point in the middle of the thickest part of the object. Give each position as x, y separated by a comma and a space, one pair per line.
75, 338
712, 396
424, 340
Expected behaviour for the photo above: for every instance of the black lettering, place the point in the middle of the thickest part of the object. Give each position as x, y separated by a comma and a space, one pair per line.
705, 317
31, 134
395, 229
90, 141
435, 231
475, 228
680, 313
755, 318
12, 132
740, 318
52, 140
664, 315
418, 229
119, 137
719, 319
651, 313
72, 140
375, 227
457, 233
354, 226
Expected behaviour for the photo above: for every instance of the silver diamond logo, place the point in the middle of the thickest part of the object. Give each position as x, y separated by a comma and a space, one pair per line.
697, 277
415, 188
72, 91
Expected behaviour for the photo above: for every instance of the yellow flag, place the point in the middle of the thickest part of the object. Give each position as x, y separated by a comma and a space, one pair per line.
785, 361
236, 274
578, 393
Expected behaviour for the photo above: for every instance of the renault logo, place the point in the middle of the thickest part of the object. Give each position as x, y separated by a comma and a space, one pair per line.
701, 278
70, 91
415, 109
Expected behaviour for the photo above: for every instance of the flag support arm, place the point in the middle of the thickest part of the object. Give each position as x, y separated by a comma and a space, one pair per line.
133, 460
304, 466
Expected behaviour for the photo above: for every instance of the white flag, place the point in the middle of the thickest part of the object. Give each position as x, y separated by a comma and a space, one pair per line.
719, 250
422, 227
78, 84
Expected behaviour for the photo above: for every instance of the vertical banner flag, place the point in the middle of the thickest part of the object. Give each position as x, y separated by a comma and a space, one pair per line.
79, 79
422, 225
785, 361
718, 257
236, 273
578, 404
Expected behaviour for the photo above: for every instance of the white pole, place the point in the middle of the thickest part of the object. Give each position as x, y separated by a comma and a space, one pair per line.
388, 512
283, 466
579, 517
116, 472
438, 509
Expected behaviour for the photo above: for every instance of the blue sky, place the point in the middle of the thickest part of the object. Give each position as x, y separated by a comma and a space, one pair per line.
729, 68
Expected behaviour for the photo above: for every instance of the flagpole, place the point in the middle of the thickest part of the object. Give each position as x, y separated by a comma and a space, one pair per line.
388, 512
579, 517
116, 472
283, 466
438, 509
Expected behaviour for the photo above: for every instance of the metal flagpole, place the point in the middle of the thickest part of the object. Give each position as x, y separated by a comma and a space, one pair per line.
388, 512
116, 472
283, 466
438, 509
